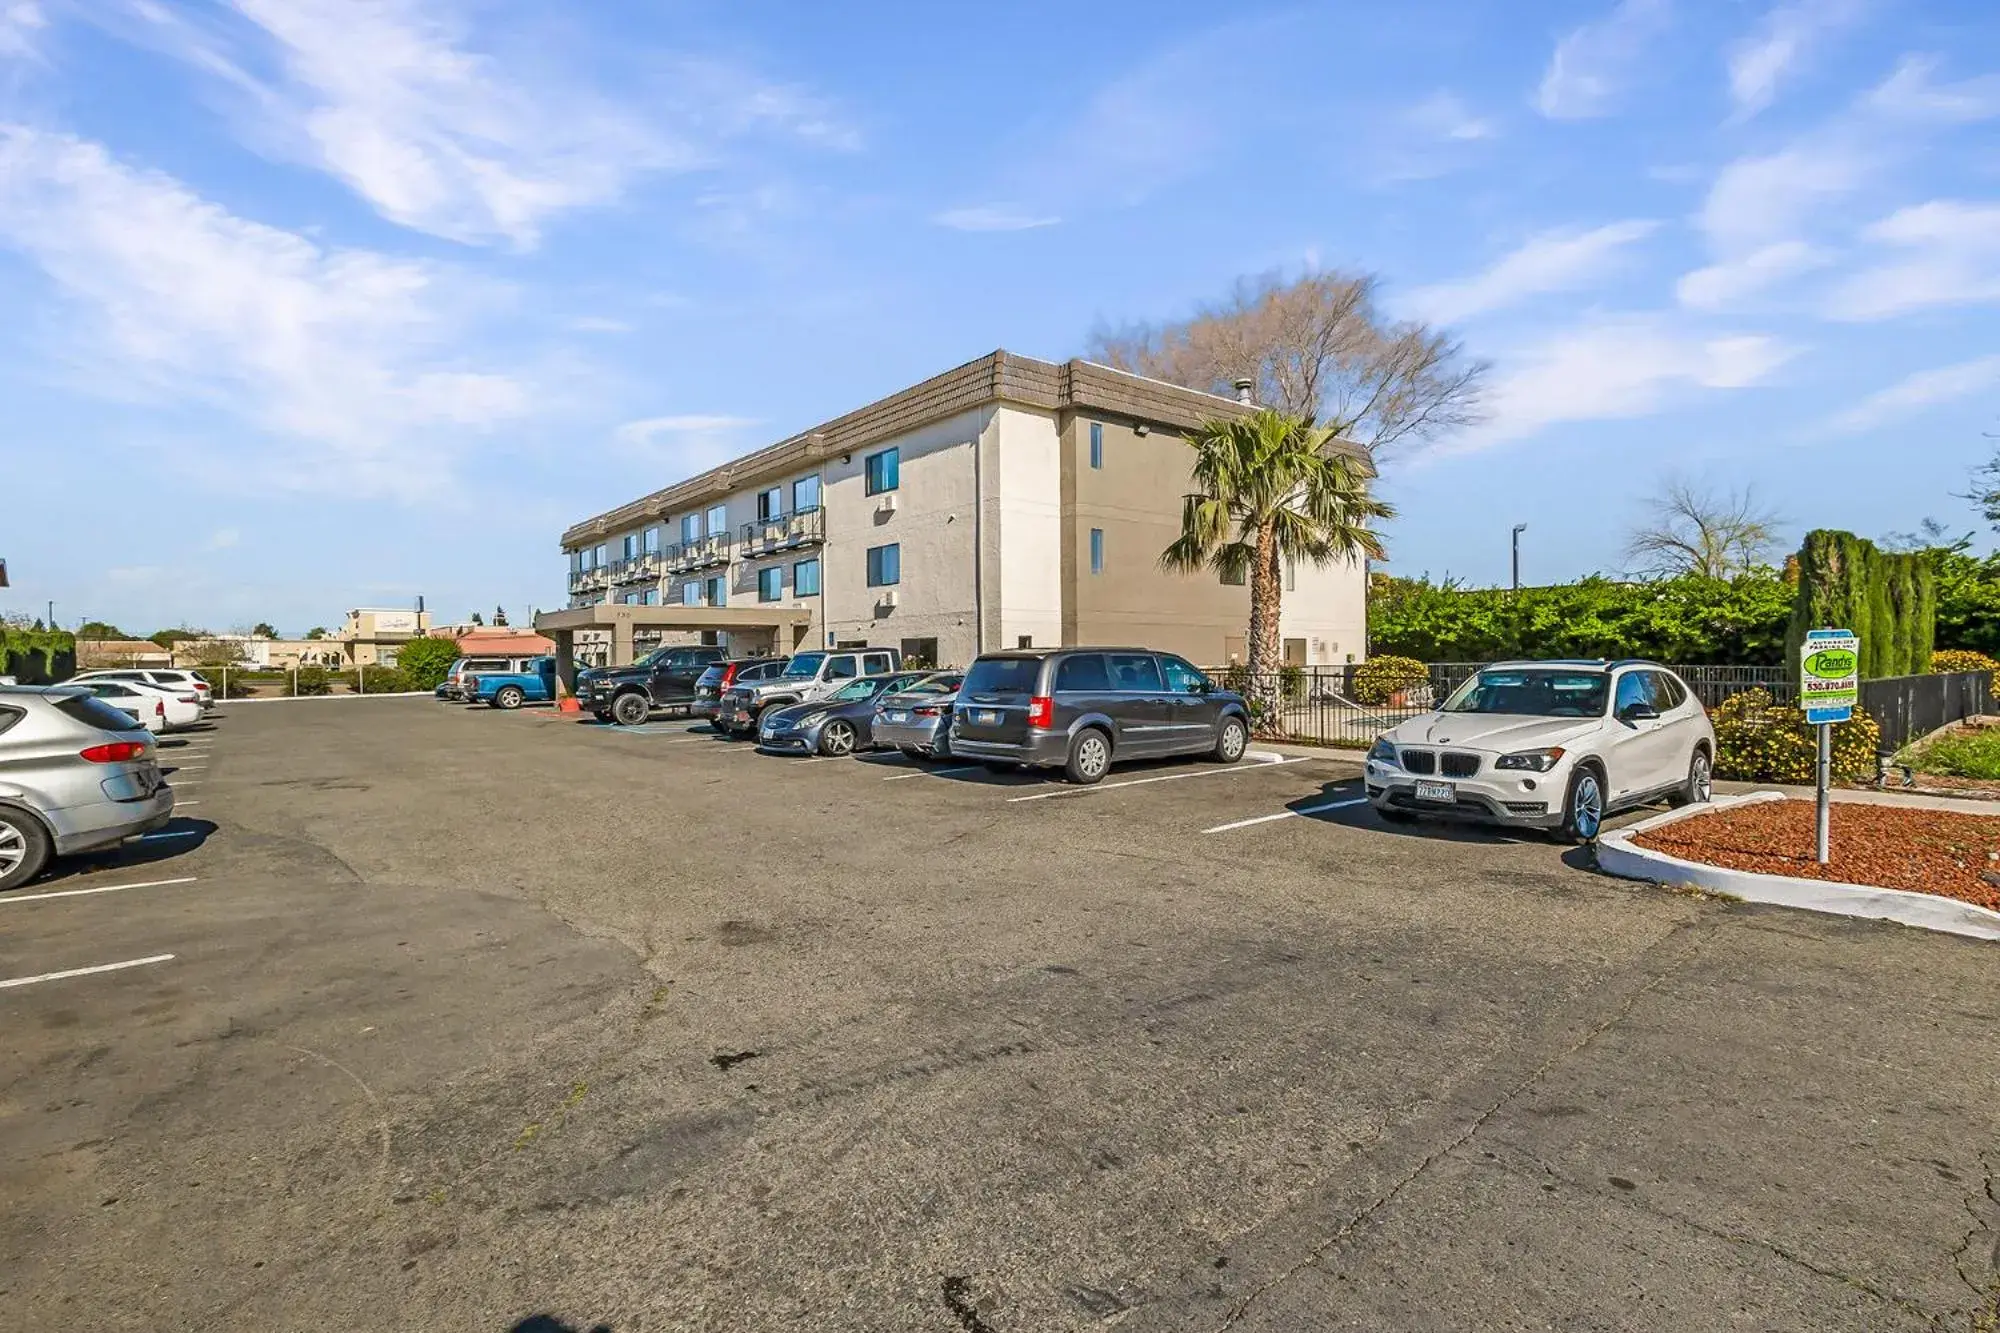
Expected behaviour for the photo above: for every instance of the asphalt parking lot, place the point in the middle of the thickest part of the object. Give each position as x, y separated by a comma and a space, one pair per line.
440, 1018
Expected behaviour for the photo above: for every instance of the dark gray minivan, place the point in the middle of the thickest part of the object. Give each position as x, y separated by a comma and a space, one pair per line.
1084, 709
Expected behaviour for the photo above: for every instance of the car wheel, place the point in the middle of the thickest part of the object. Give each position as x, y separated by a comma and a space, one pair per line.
1231, 740
836, 738
630, 709
508, 697
24, 848
1089, 757
1583, 808
1700, 786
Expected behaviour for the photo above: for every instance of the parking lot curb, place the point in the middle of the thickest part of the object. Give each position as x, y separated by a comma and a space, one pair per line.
320, 698
1338, 755
1618, 855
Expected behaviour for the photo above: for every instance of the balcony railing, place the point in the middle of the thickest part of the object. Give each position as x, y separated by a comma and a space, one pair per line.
583, 580
784, 532
705, 553
636, 570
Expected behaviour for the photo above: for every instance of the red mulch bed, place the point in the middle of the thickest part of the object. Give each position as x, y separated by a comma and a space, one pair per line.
1891, 847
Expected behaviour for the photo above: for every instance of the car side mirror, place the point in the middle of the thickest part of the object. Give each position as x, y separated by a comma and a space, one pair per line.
1202, 686
1637, 712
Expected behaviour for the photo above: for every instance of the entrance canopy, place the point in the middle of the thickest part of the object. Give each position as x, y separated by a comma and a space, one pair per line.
786, 625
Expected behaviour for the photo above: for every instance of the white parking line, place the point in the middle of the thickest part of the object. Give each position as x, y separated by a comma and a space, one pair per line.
933, 773
87, 971
107, 888
1272, 761
1288, 814
183, 768
158, 837
179, 804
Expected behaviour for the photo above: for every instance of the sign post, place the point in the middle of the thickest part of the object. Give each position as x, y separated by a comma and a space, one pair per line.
1829, 688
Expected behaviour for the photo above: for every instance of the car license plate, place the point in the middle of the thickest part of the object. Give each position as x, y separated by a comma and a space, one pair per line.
895, 715
1438, 793
986, 717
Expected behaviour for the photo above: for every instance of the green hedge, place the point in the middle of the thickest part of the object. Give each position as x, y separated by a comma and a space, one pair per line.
1688, 619
37, 656
1379, 679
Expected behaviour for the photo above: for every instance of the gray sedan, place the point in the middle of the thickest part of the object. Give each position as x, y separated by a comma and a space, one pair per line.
838, 723
917, 720
75, 774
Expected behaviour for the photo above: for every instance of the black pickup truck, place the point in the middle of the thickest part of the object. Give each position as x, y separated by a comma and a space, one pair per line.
663, 678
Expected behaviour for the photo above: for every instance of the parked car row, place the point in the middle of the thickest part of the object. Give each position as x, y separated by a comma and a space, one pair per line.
157, 699
79, 769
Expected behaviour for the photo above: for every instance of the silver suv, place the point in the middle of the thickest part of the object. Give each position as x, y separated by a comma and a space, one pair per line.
75, 774
806, 677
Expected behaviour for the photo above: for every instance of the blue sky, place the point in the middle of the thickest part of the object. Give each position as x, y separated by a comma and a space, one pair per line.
320, 303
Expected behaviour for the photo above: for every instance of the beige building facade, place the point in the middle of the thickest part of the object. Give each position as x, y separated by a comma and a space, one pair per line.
1008, 502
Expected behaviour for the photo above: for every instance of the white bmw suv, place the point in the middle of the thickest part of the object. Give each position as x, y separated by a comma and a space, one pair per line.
1549, 745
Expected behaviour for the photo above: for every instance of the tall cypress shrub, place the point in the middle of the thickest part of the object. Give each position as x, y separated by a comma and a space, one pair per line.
1889, 600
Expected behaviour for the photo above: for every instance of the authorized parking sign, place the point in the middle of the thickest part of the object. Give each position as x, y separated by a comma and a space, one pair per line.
1829, 675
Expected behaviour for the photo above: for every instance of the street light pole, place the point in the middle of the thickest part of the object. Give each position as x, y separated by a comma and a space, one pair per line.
1519, 528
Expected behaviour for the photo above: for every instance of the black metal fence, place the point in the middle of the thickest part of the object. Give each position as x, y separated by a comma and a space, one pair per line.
1908, 708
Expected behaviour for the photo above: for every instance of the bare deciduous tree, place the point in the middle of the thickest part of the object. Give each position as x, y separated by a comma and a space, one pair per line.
1693, 529
1318, 349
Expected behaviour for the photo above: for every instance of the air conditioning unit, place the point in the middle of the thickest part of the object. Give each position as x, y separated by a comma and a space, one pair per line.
889, 597
889, 503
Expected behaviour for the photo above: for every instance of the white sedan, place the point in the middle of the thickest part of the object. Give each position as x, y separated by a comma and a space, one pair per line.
1549, 745
183, 682
156, 707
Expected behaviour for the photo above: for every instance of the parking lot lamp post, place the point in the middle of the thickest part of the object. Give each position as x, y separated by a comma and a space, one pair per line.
1519, 528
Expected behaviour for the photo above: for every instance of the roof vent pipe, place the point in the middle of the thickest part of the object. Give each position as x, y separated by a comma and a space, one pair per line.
1243, 388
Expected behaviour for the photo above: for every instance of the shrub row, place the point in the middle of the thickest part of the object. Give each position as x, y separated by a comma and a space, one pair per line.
1759, 740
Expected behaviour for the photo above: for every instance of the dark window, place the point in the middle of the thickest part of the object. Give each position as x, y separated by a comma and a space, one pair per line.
1668, 690
842, 668
771, 503
1135, 673
1235, 578
9, 716
920, 652
1082, 674
883, 470
1025, 641
1097, 550
1003, 675
805, 578
771, 583
1097, 444
94, 712
885, 565
1633, 688
1182, 678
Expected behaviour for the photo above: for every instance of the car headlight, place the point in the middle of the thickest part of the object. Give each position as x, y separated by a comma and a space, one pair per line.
812, 719
1532, 761
1382, 751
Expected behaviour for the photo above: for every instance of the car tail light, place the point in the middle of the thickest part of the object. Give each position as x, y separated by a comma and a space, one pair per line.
728, 677
928, 710
159, 708
1041, 711
115, 752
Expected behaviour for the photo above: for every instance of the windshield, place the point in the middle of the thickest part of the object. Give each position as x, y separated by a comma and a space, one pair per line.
805, 665
935, 685
858, 689
653, 658
1003, 675
1533, 693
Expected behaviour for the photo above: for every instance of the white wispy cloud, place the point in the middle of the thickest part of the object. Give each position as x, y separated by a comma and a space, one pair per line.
1926, 388
1592, 65
1728, 281
1444, 116
21, 24
338, 357
683, 445
1757, 200
1608, 369
994, 217
1910, 93
1784, 40
1550, 262
1945, 252
394, 99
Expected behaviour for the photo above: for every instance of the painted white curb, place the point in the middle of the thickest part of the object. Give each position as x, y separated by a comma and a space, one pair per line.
312, 698
1617, 855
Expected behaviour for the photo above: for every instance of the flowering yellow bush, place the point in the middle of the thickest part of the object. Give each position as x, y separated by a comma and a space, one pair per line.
1759, 740
1377, 679
1965, 659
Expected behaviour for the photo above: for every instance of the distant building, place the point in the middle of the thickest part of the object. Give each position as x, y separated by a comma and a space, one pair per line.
372, 636
482, 641
121, 653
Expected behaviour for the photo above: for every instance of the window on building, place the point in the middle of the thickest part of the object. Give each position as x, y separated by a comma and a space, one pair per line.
718, 520
575, 562
1097, 550
652, 541
885, 565
691, 593
771, 583
690, 529
1291, 575
1097, 444
770, 503
652, 597
1025, 641
805, 578
920, 652
805, 494
883, 471
718, 591
1236, 578
630, 545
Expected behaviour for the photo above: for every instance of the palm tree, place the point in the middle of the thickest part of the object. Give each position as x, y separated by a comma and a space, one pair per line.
1268, 488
